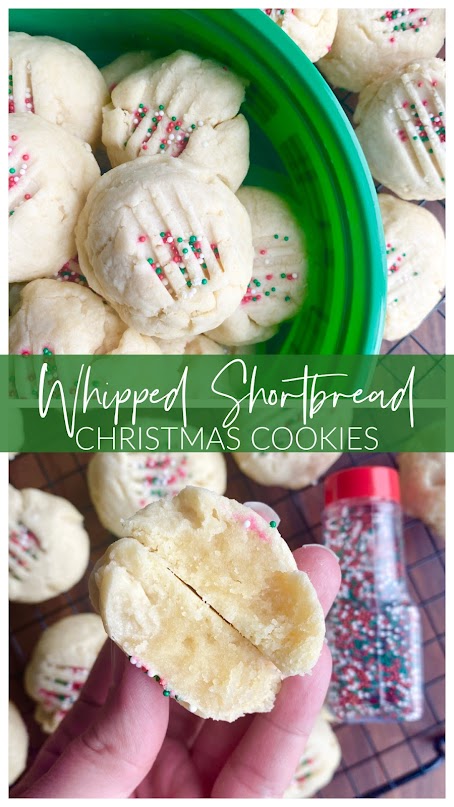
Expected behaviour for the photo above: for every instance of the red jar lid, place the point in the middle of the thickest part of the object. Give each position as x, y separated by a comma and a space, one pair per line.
365, 482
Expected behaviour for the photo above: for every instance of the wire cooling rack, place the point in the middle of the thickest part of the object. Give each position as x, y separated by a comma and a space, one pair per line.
375, 757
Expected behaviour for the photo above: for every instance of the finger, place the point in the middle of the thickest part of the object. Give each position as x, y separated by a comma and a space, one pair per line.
173, 775
184, 726
112, 757
263, 762
92, 697
322, 567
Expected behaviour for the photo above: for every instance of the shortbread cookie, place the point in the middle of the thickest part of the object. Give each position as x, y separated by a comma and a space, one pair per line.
423, 488
122, 483
181, 106
312, 29
17, 744
415, 248
60, 664
318, 764
176, 637
68, 319
276, 289
372, 42
401, 127
48, 546
284, 468
204, 346
124, 65
58, 82
238, 563
50, 174
181, 255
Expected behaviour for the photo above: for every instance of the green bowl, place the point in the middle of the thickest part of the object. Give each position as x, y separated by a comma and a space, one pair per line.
302, 146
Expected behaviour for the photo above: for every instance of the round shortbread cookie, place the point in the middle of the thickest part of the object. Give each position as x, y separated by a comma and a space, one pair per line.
318, 764
62, 318
168, 246
415, 248
423, 488
237, 563
401, 128
176, 638
58, 82
181, 106
17, 744
50, 174
60, 664
48, 546
124, 65
312, 29
275, 291
122, 483
372, 42
284, 468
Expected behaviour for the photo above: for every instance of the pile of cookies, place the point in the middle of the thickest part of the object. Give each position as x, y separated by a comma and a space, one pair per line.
390, 58
164, 253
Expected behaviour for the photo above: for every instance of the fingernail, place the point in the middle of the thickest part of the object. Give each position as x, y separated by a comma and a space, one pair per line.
118, 664
321, 546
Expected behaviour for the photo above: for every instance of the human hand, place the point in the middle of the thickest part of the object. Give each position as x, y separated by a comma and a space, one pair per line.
123, 739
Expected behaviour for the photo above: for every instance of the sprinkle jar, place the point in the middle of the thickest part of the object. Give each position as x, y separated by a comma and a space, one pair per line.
373, 629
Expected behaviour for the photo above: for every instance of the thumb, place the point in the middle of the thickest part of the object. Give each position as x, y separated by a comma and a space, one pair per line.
112, 756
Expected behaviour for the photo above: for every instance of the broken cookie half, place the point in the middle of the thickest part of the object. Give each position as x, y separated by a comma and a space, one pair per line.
205, 595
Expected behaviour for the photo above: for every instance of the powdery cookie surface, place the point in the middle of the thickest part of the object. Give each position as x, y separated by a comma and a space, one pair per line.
124, 65
371, 42
276, 289
318, 764
401, 127
48, 546
122, 483
312, 29
17, 744
50, 174
168, 246
60, 664
58, 82
237, 563
170, 632
181, 106
284, 468
423, 488
415, 247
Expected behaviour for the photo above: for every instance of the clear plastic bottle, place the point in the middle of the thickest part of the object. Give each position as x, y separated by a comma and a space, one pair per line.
373, 629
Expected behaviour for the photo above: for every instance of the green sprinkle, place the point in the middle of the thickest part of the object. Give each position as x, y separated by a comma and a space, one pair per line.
192, 125
159, 271
142, 115
204, 281
154, 120
273, 288
431, 151
161, 106
413, 106
257, 283
162, 146
166, 692
276, 235
192, 239
177, 128
150, 261
267, 293
162, 235
173, 118
273, 524
204, 266
415, 137
140, 106
179, 240
185, 250
285, 237
157, 677
12, 170
189, 283
283, 275
11, 212
287, 299
182, 270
